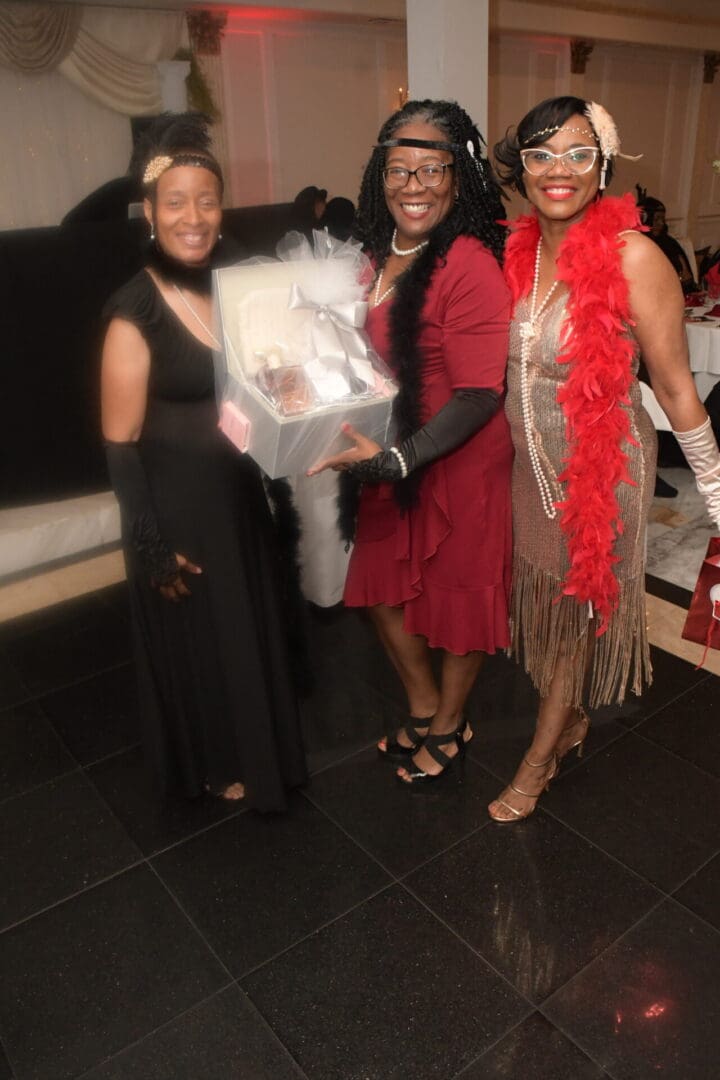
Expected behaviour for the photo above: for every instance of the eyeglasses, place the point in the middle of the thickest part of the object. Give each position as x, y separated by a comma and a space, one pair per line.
577, 161
427, 175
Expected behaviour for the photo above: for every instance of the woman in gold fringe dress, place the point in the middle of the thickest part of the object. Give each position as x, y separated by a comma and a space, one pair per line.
590, 293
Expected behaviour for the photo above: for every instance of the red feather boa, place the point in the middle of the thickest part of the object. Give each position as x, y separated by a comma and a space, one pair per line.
600, 351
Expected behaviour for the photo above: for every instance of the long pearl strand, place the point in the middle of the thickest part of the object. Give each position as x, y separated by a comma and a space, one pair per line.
377, 298
528, 333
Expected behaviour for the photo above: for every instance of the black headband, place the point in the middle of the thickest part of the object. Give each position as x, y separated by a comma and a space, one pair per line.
424, 144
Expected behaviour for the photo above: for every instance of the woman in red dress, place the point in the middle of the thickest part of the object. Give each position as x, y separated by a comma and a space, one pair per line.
433, 530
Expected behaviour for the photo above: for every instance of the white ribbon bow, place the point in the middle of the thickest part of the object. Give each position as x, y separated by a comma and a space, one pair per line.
335, 335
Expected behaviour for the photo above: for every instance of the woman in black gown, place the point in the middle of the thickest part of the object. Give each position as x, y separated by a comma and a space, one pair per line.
218, 707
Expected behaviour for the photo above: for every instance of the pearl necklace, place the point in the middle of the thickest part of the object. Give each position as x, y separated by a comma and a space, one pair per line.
194, 313
377, 298
528, 332
406, 251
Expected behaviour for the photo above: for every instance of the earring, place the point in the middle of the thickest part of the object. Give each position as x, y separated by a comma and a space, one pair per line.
219, 236
152, 231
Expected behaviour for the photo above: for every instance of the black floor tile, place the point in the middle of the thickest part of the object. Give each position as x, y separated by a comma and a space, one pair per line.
534, 1050
30, 751
503, 715
254, 885
222, 1038
656, 813
702, 892
90, 976
401, 827
12, 689
153, 822
667, 590
70, 644
117, 598
55, 841
76, 610
98, 716
342, 716
6, 1072
387, 993
649, 1005
671, 678
535, 900
689, 727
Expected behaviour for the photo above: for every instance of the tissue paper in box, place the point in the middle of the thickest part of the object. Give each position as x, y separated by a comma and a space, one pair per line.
297, 363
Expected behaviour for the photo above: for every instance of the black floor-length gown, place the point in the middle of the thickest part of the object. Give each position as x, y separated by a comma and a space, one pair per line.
216, 694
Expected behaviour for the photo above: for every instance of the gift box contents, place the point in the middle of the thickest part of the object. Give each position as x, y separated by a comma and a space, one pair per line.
297, 363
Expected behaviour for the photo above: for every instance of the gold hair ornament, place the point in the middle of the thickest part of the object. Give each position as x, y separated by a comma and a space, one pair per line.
156, 167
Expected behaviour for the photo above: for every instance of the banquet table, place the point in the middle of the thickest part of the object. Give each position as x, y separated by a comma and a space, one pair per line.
702, 326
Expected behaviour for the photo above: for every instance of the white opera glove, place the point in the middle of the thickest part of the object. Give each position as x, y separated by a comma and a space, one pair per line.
702, 455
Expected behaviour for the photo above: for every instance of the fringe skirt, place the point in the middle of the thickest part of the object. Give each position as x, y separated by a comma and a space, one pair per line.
547, 626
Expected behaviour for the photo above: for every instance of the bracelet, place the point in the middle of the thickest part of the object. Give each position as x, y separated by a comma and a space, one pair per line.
401, 460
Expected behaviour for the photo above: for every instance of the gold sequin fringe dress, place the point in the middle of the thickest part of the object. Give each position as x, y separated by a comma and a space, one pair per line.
543, 620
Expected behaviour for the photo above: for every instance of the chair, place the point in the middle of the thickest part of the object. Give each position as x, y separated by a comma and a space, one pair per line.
687, 245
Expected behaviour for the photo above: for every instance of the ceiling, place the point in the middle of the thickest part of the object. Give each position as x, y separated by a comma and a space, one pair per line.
697, 11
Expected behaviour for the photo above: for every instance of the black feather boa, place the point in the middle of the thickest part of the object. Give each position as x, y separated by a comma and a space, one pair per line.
288, 531
406, 360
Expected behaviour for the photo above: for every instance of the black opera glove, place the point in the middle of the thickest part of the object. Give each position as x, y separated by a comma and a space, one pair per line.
467, 411
129, 481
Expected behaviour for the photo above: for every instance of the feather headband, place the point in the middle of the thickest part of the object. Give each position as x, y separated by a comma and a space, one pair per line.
607, 135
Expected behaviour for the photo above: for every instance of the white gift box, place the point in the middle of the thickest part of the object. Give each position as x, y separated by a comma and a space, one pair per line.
300, 314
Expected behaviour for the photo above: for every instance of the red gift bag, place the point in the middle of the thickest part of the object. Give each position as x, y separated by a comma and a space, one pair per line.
703, 619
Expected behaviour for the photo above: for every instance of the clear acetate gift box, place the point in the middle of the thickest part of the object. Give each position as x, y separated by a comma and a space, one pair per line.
297, 363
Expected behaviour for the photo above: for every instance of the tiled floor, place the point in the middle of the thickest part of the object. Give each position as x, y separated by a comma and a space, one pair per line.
372, 932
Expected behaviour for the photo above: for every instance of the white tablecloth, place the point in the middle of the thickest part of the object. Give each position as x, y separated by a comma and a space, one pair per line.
704, 345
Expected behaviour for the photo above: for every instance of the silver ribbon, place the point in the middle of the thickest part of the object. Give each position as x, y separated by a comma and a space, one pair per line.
336, 337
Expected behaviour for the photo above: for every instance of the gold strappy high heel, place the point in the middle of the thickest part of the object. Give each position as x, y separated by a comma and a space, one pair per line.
552, 761
579, 744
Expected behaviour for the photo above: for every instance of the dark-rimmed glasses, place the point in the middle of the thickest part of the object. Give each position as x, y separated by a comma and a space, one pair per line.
431, 176
580, 159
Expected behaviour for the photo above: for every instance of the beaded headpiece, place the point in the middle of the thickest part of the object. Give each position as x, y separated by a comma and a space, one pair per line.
156, 167
604, 131
162, 162
558, 127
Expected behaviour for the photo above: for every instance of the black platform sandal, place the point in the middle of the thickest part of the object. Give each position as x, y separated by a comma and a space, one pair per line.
416, 777
396, 750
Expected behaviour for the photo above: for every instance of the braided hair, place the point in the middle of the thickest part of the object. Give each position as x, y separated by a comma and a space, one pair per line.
476, 212
478, 207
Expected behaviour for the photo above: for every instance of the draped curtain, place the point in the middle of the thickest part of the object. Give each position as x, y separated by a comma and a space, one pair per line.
70, 76
36, 37
111, 55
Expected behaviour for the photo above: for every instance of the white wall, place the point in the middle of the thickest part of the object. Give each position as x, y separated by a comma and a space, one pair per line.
58, 146
304, 102
654, 95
